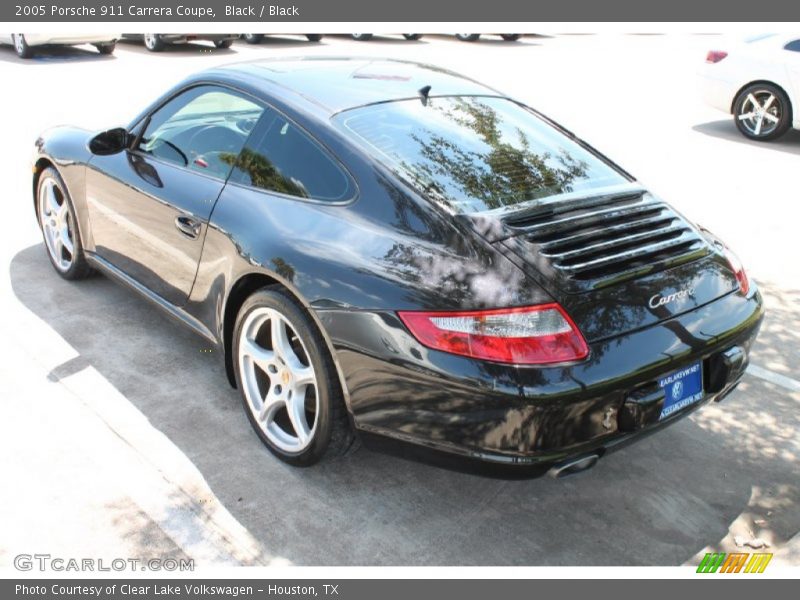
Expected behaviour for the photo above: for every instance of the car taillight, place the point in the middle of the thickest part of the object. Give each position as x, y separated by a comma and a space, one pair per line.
533, 335
714, 56
738, 270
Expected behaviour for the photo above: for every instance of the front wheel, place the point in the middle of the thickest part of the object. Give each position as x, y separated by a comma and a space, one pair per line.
58, 222
412, 36
21, 46
510, 37
222, 44
106, 48
762, 112
361, 37
468, 37
153, 42
313, 37
253, 38
288, 382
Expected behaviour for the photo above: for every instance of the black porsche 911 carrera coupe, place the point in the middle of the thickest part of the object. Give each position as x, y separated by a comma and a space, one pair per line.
385, 250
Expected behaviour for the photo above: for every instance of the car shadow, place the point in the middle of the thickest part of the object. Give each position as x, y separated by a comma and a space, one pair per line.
276, 40
656, 503
54, 55
175, 50
726, 130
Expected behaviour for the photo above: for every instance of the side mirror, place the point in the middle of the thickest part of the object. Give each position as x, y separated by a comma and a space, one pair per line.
110, 142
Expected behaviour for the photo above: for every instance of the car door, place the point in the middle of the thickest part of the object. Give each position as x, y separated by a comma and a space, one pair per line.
149, 206
792, 55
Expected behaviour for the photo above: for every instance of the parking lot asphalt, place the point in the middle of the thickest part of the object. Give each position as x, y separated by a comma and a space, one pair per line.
121, 436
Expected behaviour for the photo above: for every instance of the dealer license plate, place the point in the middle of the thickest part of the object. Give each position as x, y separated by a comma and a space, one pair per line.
681, 389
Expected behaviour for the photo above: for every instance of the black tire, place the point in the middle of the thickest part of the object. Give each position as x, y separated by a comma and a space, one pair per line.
223, 44
79, 268
361, 37
468, 37
106, 48
333, 434
412, 36
510, 37
21, 46
154, 43
253, 38
313, 37
778, 116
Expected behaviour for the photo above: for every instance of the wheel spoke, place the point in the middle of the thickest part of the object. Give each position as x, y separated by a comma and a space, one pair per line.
65, 241
303, 376
297, 415
52, 202
759, 122
771, 117
753, 100
280, 339
749, 115
58, 248
272, 402
260, 356
769, 102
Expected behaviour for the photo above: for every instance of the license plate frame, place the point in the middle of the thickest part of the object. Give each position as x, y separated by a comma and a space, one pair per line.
682, 388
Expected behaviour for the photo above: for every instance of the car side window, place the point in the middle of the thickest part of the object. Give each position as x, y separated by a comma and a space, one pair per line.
202, 129
280, 157
793, 46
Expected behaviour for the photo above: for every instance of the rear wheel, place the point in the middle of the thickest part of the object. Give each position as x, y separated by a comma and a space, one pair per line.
58, 222
106, 48
361, 37
313, 37
762, 112
21, 46
289, 386
412, 36
223, 43
253, 38
153, 42
510, 37
468, 37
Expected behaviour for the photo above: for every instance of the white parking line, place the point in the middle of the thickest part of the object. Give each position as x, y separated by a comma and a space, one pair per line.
782, 380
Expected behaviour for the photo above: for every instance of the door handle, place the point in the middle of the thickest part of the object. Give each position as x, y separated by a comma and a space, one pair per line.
188, 226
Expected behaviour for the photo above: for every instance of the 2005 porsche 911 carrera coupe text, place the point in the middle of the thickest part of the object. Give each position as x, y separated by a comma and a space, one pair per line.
385, 250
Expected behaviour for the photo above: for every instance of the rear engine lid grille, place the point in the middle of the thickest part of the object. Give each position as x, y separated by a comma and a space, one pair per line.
587, 243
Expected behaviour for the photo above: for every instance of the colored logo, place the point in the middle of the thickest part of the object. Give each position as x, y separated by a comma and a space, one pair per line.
735, 562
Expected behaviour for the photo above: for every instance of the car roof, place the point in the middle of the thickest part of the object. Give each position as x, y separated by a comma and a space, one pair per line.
341, 83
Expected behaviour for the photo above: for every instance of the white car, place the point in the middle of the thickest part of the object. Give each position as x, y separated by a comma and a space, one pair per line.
758, 82
25, 43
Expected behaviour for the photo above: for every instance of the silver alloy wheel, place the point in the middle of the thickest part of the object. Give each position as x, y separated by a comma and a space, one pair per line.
760, 113
278, 380
56, 221
150, 40
19, 43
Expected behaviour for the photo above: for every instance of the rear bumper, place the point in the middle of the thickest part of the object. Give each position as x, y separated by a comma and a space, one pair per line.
35, 39
515, 418
717, 92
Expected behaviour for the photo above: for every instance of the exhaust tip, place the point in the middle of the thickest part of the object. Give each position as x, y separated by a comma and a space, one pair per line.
574, 466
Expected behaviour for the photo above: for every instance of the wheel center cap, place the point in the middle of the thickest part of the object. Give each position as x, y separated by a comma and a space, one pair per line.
285, 377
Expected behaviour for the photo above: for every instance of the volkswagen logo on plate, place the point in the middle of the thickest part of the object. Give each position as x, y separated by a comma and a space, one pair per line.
677, 390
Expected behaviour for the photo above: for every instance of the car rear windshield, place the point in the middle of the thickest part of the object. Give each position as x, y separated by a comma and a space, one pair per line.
476, 153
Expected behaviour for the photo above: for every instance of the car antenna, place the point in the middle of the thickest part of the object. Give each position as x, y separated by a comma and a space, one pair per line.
423, 94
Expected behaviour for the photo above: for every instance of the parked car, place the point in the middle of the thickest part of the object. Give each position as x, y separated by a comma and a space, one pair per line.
758, 82
256, 38
365, 37
474, 37
156, 42
388, 250
25, 44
